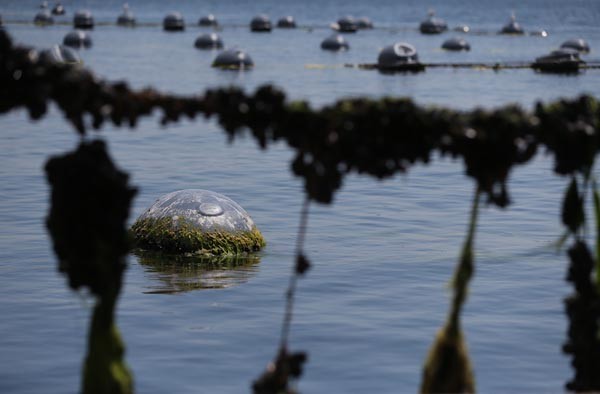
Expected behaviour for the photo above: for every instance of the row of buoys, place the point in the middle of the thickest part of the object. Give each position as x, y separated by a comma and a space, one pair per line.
261, 23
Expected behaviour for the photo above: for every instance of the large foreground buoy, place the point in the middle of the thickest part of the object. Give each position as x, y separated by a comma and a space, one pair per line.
197, 221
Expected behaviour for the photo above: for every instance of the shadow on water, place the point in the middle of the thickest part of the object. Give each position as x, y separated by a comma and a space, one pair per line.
172, 274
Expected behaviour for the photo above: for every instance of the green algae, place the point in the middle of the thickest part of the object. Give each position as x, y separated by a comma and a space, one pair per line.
162, 235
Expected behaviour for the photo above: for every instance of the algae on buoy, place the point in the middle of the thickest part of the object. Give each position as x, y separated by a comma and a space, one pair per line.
197, 221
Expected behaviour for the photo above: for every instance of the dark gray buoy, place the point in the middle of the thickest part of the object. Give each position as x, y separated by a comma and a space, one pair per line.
197, 221
209, 41
456, 44
260, 23
233, 59
539, 33
208, 21
173, 22
59, 54
83, 19
399, 57
287, 22
43, 17
364, 23
579, 44
433, 25
58, 9
347, 24
126, 18
512, 27
77, 39
563, 60
335, 42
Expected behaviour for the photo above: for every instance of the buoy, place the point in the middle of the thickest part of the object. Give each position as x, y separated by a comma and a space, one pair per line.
126, 18
399, 57
456, 44
563, 60
43, 18
173, 22
433, 25
77, 39
197, 221
512, 27
287, 22
208, 21
462, 28
58, 9
260, 23
364, 23
83, 19
59, 54
579, 44
209, 41
233, 59
347, 24
335, 42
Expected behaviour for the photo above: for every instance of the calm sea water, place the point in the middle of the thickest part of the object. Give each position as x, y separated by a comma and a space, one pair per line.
383, 252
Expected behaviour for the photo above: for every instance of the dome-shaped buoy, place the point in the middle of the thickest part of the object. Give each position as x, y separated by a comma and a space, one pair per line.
512, 27
58, 9
59, 54
563, 60
233, 59
456, 44
287, 22
77, 39
260, 23
347, 24
364, 23
335, 42
209, 41
43, 17
579, 44
173, 22
83, 19
126, 18
399, 57
433, 25
197, 221
208, 21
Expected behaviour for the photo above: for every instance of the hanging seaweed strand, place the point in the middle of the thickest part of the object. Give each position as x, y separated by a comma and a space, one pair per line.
583, 306
448, 368
276, 378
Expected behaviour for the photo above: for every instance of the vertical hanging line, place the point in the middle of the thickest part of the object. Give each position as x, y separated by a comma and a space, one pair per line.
464, 270
301, 236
